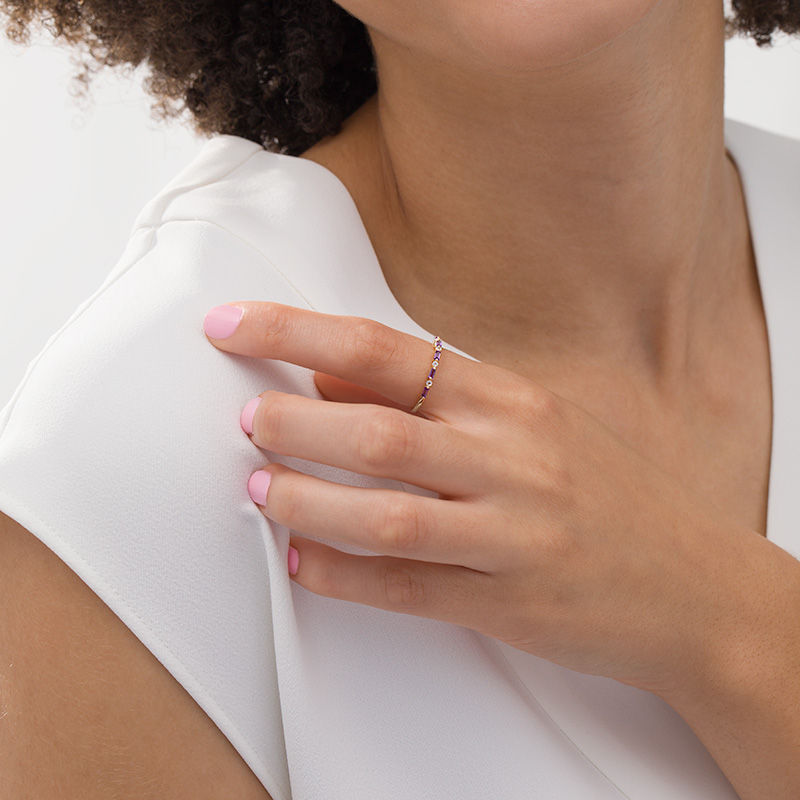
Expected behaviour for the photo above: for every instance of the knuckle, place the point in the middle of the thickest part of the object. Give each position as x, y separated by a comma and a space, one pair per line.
537, 402
327, 580
287, 501
373, 344
274, 324
385, 438
402, 588
269, 417
397, 527
520, 400
532, 407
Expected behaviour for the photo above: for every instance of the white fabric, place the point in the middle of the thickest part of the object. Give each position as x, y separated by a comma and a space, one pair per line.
121, 450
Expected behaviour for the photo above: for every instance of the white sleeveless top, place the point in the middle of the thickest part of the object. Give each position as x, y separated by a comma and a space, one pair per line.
121, 450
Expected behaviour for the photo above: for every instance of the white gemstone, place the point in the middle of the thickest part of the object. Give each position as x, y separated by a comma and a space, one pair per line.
429, 383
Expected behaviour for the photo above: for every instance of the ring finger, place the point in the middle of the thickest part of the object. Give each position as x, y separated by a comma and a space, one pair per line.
382, 521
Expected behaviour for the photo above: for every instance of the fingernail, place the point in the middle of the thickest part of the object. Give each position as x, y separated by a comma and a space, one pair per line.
248, 412
257, 486
222, 321
294, 560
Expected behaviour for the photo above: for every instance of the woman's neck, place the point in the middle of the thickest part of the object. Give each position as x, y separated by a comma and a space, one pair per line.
586, 211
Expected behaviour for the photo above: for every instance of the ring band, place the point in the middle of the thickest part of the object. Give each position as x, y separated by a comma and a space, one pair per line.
437, 352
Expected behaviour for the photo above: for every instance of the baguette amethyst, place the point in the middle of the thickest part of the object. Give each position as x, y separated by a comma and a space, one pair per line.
437, 352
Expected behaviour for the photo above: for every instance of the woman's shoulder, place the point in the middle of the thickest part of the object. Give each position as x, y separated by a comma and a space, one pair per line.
237, 222
121, 448
281, 205
110, 378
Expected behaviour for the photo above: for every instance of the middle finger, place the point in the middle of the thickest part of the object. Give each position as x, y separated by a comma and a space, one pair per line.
369, 439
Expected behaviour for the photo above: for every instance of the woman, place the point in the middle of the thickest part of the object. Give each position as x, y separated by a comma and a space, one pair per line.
595, 599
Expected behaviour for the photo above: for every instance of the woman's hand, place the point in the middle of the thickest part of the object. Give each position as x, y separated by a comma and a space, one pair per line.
550, 533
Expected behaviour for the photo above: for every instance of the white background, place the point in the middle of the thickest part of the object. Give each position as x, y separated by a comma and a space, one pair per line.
73, 179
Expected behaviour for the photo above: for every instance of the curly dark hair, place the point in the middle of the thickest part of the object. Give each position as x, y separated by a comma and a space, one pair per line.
283, 73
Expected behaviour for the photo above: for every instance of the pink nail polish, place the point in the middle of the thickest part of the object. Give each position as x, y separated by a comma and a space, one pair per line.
248, 413
294, 560
257, 486
222, 321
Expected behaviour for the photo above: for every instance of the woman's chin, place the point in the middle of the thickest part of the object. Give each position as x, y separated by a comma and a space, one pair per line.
525, 35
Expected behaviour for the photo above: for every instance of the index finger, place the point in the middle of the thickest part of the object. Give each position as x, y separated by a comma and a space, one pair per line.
357, 349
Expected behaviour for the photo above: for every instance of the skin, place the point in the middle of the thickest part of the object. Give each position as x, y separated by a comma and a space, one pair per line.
86, 711
549, 532
582, 148
581, 145
588, 135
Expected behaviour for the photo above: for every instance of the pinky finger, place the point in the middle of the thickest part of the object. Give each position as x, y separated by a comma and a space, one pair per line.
446, 592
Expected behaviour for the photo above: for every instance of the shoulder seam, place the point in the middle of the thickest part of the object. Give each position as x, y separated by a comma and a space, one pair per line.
166, 196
